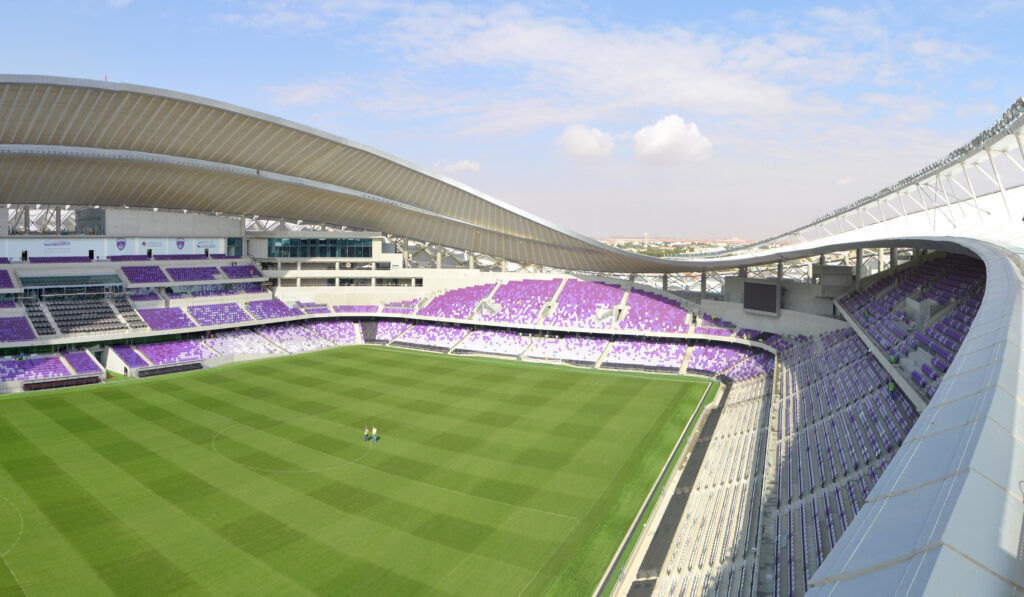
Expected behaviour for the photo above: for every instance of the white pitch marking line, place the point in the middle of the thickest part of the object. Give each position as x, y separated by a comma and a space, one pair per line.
3, 556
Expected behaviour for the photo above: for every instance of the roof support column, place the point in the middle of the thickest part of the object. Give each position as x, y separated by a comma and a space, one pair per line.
999, 181
703, 285
664, 282
778, 271
57, 224
25, 219
892, 258
860, 263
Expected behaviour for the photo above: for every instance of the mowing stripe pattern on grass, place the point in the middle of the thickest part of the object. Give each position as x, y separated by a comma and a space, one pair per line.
491, 477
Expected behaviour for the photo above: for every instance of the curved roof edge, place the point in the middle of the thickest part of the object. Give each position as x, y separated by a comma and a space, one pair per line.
519, 235
640, 263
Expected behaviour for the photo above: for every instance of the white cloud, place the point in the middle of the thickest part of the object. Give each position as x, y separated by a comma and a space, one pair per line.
671, 139
305, 94
458, 167
280, 14
937, 54
582, 142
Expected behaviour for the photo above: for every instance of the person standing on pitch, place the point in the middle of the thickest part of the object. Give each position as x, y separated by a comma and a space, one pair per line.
374, 434
366, 433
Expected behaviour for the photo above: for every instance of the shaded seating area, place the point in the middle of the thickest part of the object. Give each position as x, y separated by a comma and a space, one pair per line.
192, 274
84, 316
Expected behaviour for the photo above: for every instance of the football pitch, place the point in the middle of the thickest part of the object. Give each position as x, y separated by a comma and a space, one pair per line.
491, 477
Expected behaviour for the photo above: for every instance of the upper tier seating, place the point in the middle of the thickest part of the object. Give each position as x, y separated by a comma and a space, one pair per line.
5, 279
218, 314
84, 316
272, 309
579, 302
407, 306
128, 312
15, 329
520, 301
236, 272
192, 274
356, 308
458, 303
37, 316
166, 318
129, 257
5, 260
145, 296
651, 312
144, 274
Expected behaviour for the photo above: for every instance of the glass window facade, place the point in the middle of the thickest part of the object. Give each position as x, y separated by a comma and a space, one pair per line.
319, 247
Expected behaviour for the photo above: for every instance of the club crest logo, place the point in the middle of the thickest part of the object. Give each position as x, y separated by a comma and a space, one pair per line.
121, 244
180, 243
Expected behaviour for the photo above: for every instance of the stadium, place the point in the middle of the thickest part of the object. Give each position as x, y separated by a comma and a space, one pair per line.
204, 309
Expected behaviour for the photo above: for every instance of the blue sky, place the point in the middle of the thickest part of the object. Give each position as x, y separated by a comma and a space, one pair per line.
693, 120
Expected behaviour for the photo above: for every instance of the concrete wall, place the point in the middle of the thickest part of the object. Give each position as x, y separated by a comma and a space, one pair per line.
796, 296
788, 322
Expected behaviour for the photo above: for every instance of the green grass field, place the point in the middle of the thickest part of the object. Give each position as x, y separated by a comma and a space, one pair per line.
491, 478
